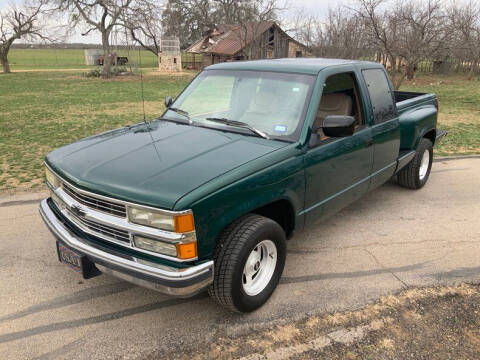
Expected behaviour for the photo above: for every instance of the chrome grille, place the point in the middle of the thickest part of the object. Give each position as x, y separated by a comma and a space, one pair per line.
100, 229
96, 203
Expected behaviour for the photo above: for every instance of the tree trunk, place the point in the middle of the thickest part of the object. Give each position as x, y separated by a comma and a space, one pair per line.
411, 69
107, 57
4, 61
397, 78
473, 68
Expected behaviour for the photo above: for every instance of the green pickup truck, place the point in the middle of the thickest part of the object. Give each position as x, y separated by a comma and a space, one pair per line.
205, 196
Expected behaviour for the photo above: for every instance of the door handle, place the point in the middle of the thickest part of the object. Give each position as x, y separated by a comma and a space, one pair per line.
369, 143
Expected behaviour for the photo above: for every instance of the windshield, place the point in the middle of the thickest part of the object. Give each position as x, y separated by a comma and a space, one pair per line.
273, 103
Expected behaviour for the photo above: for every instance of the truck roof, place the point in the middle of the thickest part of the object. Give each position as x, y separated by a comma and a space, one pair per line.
296, 65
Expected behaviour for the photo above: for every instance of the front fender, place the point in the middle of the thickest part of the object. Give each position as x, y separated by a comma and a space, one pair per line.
282, 181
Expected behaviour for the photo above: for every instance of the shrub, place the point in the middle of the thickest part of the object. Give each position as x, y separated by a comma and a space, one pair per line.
115, 71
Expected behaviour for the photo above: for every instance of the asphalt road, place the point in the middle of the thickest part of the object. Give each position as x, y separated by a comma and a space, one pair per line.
391, 239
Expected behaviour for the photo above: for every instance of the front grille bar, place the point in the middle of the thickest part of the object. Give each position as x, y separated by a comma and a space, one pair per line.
101, 229
95, 203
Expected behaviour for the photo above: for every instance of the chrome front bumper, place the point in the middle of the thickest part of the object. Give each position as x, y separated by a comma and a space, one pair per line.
168, 280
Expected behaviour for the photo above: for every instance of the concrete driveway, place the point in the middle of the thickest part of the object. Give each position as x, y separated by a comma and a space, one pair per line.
391, 239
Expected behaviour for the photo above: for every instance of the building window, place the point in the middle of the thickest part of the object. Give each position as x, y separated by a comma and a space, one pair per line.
174, 60
298, 54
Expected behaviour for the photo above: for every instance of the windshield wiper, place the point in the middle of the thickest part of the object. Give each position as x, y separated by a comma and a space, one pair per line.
239, 124
181, 112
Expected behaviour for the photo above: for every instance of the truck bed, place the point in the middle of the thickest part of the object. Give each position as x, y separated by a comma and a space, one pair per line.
406, 100
417, 114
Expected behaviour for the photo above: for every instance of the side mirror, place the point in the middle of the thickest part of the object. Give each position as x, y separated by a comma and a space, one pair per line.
168, 101
338, 125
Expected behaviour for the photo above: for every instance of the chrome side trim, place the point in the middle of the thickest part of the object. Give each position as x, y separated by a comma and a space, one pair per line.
122, 224
177, 282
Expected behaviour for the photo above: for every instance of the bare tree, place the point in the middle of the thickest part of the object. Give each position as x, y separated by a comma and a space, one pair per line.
340, 35
305, 27
21, 22
98, 15
144, 24
465, 20
252, 17
425, 32
405, 33
383, 31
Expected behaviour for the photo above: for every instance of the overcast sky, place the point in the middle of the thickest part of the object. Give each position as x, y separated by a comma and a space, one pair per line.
314, 7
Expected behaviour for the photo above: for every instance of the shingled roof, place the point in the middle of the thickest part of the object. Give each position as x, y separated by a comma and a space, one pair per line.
230, 39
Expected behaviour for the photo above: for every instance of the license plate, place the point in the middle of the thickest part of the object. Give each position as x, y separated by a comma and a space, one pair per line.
70, 257
80, 263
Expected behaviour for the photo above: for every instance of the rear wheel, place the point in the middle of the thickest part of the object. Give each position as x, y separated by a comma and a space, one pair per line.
416, 173
249, 261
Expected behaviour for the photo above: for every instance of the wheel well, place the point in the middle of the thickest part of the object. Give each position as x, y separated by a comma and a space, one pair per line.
280, 211
431, 135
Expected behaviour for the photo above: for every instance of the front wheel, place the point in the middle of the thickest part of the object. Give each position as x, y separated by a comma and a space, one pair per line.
249, 261
416, 173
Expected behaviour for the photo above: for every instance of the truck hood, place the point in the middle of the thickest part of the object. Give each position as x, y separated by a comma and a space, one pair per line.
155, 165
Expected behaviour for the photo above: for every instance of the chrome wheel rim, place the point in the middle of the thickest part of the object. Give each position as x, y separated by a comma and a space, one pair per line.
259, 267
424, 164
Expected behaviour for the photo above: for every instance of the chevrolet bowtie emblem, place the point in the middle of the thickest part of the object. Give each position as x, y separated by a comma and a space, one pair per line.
77, 211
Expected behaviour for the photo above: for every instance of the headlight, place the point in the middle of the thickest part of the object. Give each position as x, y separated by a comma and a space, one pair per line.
52, 179
155, 246
183, 251
171, 222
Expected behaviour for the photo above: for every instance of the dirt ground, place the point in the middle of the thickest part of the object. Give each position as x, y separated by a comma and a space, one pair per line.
421, 323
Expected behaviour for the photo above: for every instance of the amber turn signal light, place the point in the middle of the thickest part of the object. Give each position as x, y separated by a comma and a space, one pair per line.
187, 251
184, 223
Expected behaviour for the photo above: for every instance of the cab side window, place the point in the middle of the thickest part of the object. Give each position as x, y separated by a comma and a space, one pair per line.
339, 97
380, 95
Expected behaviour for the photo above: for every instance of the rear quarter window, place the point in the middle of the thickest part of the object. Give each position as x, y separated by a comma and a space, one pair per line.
380, 95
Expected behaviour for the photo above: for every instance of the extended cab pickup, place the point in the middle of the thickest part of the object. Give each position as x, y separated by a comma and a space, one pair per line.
249, 153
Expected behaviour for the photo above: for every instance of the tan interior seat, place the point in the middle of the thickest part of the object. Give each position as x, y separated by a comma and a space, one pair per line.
333, 104
262, 106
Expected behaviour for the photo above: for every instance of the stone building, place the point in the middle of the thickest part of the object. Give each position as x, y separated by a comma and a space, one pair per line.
170, 58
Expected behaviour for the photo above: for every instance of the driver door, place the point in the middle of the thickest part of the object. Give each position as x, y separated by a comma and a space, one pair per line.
338, 169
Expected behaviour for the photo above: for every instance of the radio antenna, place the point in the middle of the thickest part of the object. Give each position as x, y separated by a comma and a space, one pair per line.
141, 84
141, 76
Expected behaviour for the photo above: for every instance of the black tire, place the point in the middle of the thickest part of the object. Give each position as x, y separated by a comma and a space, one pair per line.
409, 177
235, 244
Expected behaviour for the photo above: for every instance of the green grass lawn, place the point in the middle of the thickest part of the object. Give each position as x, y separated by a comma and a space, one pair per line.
40, 111
28, 59
459, 101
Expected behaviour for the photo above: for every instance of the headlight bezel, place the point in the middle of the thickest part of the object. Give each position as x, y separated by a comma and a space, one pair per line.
149, 244
51, 179
151, 218
179, 222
